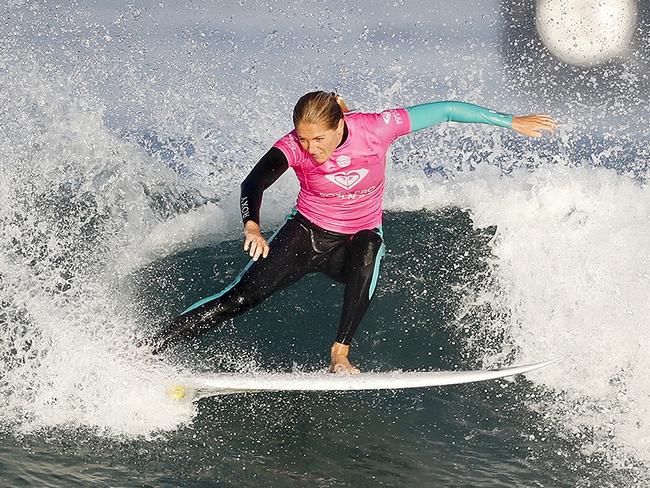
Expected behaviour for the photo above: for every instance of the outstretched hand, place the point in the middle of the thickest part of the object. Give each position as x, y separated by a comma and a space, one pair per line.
254, 242
534, 125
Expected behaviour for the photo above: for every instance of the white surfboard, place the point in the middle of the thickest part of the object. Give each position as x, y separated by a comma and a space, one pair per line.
202, 386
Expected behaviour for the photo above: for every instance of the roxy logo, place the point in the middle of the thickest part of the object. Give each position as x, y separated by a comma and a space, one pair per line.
291, 142
343, 161
348, 179
245, 208
387, 115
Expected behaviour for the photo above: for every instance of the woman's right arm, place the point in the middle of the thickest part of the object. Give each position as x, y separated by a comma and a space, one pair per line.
272, 165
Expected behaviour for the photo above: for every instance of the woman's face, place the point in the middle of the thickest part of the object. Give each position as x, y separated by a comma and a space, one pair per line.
318, 140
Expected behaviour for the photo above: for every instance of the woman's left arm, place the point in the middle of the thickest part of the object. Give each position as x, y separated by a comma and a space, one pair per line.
428, 114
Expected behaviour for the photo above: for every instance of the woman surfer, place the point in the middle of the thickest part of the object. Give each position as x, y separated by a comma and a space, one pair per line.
335, 228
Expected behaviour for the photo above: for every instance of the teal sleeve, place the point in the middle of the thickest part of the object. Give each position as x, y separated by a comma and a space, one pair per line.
433, 113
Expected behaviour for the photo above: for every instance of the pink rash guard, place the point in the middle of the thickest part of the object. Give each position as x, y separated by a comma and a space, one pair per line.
344, 194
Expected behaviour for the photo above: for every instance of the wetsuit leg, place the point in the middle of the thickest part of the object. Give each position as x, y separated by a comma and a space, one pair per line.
358, 267
288, 261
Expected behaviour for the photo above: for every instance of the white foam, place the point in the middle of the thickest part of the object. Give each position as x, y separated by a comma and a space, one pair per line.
74, 197
572, 257
85, 206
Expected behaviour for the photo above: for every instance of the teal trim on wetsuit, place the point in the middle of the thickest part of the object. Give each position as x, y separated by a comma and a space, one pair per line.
380, 254
428, 114
205, 300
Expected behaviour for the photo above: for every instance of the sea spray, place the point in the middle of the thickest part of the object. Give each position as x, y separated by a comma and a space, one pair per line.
570, 274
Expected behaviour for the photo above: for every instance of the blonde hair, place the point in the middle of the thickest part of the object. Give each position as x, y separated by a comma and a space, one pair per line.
319, 107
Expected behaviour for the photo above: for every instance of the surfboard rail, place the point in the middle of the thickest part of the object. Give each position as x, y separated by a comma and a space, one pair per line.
229, 383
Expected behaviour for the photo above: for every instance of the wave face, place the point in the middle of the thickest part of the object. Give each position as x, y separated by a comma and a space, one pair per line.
125, 133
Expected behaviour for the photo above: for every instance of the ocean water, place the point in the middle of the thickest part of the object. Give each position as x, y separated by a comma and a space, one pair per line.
125, 132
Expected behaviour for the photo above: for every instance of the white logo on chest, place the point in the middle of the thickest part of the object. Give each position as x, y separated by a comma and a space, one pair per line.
348, 179
343, 161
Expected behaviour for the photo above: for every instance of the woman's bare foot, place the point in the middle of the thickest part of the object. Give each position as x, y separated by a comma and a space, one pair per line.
339, 362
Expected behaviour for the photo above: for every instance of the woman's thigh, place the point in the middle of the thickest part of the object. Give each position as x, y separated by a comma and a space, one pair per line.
359, 251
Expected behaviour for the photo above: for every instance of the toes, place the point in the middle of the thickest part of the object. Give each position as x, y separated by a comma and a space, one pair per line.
344, 369
339, 368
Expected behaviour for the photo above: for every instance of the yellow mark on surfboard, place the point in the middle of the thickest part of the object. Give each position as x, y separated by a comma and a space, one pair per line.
177, 392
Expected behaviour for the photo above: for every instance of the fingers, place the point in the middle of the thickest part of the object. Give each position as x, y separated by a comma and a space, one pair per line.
261, 248
546, 123
533, 132
256, 246
534, 125
254, 250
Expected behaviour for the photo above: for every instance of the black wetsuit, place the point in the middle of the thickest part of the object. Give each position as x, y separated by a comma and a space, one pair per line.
298, 248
